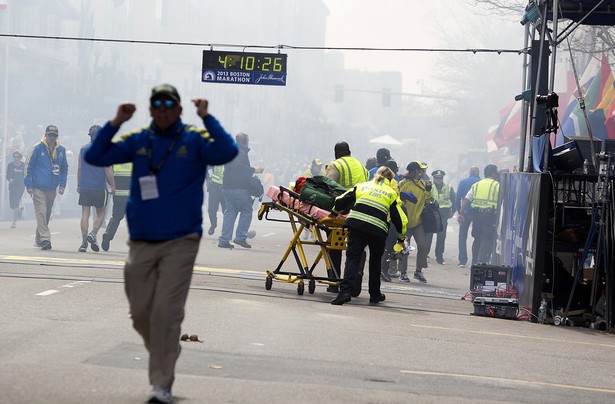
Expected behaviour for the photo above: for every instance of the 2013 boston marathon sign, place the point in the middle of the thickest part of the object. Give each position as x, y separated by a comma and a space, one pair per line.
268, 69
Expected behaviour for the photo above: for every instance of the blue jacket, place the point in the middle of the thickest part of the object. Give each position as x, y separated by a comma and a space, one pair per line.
39, 173
177, 211
462, 190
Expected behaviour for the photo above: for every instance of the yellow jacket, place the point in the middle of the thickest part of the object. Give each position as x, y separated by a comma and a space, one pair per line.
413, 210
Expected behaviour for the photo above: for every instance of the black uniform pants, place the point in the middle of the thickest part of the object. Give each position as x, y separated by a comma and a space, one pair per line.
483, 231
355, 248
119, 210
215, 198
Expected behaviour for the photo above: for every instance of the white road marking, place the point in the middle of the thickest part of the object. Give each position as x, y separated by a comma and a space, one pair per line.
268, 235
73, 284
47, 292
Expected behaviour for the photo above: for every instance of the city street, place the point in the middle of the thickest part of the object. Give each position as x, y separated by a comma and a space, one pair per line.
67, 335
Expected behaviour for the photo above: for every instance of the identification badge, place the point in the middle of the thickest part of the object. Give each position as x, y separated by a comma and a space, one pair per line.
149, 187
55, 169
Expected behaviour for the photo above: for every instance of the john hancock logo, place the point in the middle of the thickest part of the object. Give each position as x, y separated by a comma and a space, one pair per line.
269, 77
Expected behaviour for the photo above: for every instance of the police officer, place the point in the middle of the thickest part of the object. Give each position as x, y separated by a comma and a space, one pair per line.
215, 197
444, 194
348, 172
483, 197
371, 203
345, 169
121, 177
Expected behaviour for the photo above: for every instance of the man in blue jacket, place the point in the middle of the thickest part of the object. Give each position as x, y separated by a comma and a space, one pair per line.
46, 170
164, 215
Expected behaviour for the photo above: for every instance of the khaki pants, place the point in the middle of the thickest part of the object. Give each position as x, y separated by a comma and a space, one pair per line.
43, 199
157, 279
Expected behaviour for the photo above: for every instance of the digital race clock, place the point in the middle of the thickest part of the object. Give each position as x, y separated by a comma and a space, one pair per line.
244, 68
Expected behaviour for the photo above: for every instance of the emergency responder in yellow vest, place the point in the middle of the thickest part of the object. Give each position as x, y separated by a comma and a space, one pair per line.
444, 195
371, 202
348, 172
345, 169
483, 197
121, 177
215, 197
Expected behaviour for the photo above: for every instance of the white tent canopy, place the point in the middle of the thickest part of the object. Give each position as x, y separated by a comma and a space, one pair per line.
386, 139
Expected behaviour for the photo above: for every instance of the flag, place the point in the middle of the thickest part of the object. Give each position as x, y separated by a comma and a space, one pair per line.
509, 127
574, 123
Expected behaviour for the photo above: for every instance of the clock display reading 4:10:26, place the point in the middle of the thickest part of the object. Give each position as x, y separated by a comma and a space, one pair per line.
245, 61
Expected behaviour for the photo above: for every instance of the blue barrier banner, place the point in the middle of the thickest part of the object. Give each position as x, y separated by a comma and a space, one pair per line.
516, 237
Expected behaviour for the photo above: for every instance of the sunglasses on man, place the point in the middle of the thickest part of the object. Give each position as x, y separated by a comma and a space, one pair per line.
167, 104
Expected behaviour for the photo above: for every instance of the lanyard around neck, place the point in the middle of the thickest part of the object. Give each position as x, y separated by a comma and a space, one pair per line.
150, 163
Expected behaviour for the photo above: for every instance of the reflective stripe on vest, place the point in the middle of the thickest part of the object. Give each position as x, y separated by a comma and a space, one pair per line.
352, 172
217, 174
121, 177
444, 197
371, 196
485, 194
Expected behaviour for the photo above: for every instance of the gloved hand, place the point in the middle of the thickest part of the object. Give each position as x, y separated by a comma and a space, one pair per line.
428, 186
399, 246
408, 196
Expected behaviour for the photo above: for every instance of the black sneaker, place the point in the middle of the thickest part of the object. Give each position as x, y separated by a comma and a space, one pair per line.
45, 245
225, 245
385, 277
377, 299
404, 277
242, 243
93, 242
83, 247
419, 275
105, 242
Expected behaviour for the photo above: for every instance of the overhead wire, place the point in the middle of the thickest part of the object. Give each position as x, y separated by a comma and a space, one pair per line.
278, 47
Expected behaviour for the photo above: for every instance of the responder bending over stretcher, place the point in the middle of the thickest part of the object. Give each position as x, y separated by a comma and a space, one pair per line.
371, 202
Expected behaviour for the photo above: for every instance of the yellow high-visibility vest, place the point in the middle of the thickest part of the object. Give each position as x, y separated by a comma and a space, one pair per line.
486, 193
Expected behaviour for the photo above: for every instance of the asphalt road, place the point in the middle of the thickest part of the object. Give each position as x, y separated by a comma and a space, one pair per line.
67, 337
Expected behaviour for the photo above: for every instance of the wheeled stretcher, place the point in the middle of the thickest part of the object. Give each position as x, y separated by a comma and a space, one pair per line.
327, 233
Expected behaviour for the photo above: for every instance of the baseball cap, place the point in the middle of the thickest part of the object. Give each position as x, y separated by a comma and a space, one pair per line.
383, 155
438, 174
317, 162
166, 90
93, 130
51, 130
413, 166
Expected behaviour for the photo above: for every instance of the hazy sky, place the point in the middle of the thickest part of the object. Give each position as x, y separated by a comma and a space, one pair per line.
413, 24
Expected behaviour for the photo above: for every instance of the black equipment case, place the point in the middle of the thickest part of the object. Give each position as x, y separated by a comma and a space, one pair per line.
499, 307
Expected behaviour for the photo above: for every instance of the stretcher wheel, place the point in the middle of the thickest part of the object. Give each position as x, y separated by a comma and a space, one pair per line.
311, 286
261, 212
268, 282
300, 288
